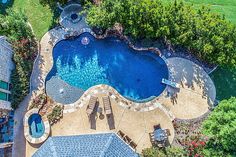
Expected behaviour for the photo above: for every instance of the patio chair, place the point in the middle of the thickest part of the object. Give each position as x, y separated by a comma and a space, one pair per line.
151, 135
107, 105
91, 105
160, 145
167, 132
158, 126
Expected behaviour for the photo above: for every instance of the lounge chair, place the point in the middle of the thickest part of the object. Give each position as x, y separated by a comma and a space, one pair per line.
133, 145
127, 139
107, 105
170, 83
121, 134
91, 105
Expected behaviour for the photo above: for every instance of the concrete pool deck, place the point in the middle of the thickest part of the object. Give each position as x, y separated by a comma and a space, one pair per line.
197, 93
195, 96
137, 125
134, 119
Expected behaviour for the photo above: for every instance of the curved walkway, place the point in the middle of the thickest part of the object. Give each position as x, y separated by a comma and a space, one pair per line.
19, 142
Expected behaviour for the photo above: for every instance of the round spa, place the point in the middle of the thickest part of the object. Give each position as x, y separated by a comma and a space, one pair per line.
36, 127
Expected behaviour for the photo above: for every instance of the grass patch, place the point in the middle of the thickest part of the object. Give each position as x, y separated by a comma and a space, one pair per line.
39, 16
226, 7
225, 82
224, 78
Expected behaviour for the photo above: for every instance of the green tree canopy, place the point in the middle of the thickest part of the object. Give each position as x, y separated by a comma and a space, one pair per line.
206, 34
220, 127
14, 25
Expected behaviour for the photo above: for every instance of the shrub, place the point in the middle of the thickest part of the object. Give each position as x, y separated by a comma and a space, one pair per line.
206, 34
165, 152
38, 101
55, 115
15, 27
220, 127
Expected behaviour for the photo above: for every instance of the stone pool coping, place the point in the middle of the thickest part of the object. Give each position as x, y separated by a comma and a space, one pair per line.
28, 137
52, 37
120, 100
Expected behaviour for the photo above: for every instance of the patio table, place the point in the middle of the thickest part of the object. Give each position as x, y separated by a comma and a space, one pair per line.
160, 135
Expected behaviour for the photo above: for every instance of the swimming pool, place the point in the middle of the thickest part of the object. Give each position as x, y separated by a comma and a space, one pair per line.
36, 126
86, 61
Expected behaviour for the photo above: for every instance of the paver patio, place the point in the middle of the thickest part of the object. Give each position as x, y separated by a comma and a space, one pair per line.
137, 125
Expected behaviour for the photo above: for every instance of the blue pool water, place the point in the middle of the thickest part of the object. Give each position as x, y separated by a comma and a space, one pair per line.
134, 74
36, 125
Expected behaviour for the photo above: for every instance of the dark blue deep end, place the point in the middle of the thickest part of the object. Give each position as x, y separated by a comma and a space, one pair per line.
134, 74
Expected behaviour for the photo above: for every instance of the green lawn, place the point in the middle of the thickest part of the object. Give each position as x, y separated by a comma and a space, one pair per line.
225, 82
40, 17
226, 7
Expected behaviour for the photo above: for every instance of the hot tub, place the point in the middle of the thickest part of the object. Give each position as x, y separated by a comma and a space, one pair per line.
36, 127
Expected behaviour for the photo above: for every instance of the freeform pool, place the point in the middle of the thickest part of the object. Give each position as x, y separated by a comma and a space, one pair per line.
134, 74
36, 126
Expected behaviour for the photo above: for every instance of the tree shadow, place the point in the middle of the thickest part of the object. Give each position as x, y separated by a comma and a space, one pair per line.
93, 118
55, 19
193, 75
111, 121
